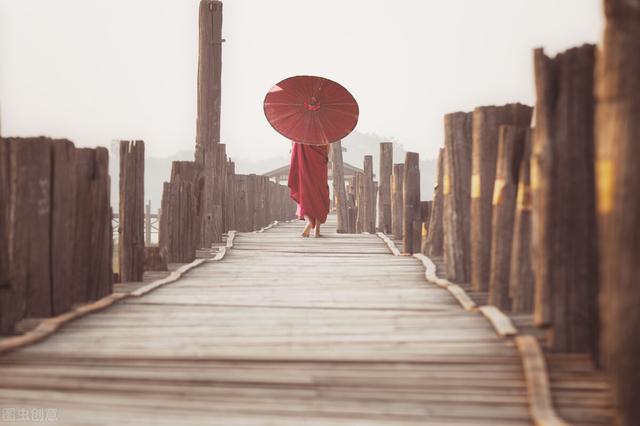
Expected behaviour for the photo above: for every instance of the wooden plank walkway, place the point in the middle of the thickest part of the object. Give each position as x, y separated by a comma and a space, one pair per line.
283, 331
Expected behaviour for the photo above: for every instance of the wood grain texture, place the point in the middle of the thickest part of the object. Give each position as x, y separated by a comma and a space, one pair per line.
433, 244
131, 225
456, 191
565, 257
618, 202
396, 200
384, 192
339, 192
412, 220
511, 144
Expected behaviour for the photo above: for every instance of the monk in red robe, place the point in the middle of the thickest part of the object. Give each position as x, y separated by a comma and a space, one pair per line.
309, 186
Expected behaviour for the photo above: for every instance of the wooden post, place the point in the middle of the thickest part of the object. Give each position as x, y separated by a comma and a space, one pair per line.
182, 221
433, 244
93, 237
368, 196
521, 279
28, 293
425, 214
360, 206
486, 121
456, 186
384, 193
412, 221
230, 205
351, 203
63, 224
396, 200
618, 183
562, 178
147, 224
208, 152
241, 203
337, 172
251, 202
511, 146
5, 193
131, 227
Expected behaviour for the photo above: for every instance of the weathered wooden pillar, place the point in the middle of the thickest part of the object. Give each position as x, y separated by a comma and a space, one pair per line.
384, 193
27, 165
131, 227
368, 195
147, 223
351, 206
486, 121
337, 172
208, 119
433, 244
360, 206
562, 178
512, 140
618, 183
251, 202
412, 221
396, 200
425, 215
456, 186
63, 223
229, 206
5, 193
241, 203
521, 278
93, 238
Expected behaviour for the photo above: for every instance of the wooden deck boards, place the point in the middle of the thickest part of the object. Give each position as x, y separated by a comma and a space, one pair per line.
283, 331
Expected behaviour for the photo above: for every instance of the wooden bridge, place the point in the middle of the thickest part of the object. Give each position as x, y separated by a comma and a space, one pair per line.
282, 330
509, 298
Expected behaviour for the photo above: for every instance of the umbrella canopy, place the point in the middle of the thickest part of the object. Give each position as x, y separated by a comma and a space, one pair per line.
311, 110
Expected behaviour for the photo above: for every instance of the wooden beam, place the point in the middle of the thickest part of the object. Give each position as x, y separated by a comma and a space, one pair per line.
397, 214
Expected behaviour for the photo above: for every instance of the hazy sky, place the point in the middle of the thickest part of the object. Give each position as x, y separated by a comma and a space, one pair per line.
93, 71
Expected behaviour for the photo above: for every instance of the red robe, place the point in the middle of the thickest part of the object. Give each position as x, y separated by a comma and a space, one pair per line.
308, 181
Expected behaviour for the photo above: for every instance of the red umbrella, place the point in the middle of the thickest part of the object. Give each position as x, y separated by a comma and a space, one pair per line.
311, 110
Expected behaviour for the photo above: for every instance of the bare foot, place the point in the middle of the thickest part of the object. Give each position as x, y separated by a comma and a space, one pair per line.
306, 231
317, 232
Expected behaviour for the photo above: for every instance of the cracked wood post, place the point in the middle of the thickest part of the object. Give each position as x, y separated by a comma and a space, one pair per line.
433, 243
26, 163
147, 223
208, 119
351, 205
486, 121
562, 178
340, 196
396, 200
511, 144
241, 203
384, 190
412, 221
521, 278
618, 184
368, 224
93, 238
131, 226
456, 185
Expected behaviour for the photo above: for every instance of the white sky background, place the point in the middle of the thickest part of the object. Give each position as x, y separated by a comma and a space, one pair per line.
93, 71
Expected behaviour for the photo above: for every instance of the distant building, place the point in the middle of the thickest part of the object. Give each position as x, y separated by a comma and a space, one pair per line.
281, 174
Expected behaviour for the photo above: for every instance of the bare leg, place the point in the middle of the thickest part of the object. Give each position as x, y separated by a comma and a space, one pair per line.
307, 228
317, 231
